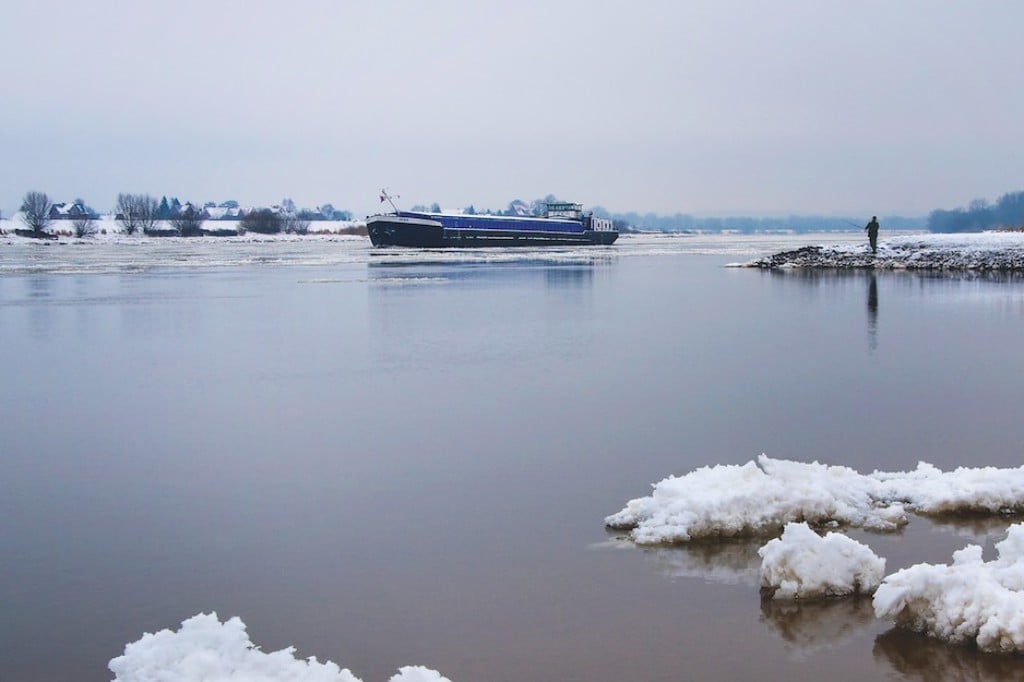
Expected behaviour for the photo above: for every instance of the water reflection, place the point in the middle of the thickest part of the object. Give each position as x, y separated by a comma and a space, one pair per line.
38, 291
730, 562
555, 273
806, 626
463, 314
992, 288
978, 528
38, 287
809, 627
569, 277
872, 312
918, 657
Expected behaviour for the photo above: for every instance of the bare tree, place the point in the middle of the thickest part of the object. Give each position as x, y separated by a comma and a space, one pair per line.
263, 221
188, 221
295, 224
84, 225
35, 211
137, 212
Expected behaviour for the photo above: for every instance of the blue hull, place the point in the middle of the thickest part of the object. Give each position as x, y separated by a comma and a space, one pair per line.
431, 231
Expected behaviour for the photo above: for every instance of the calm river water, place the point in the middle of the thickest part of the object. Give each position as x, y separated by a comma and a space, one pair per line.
388, 458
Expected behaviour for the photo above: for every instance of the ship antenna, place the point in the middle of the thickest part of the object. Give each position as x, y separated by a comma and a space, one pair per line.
384, 196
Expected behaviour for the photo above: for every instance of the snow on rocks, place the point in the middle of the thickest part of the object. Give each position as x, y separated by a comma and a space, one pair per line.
755, 499
967, 601
999, 251
804, 565
206, 649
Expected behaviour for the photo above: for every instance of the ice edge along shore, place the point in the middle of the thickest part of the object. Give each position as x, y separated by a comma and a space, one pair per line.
985, 252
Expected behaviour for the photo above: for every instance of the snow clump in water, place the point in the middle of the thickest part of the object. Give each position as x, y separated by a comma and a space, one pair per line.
967, 601
804, 565
756, 499
206, 649
759, 498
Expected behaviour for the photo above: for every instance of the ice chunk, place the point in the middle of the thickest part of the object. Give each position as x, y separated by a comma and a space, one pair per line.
756, 499
206, 649
804, 565
969, 600
760, 497
417, 673
928, 490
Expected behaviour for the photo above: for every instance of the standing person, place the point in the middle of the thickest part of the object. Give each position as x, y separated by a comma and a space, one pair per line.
872, 229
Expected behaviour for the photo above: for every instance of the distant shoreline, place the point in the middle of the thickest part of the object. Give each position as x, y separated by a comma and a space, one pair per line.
987, 251
108, 228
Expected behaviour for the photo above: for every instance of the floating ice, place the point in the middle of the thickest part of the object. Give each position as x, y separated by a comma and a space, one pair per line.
760, 497
928, 490
969, 600
417, 673
755, 499
206, 649
804, 565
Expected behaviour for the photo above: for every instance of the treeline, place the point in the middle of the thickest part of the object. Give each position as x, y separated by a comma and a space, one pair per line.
142, 213
979, 215
682, 222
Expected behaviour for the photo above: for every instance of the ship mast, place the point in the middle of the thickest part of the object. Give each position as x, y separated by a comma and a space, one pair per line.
384, 196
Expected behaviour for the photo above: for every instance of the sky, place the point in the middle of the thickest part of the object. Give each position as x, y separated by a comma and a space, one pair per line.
706, 107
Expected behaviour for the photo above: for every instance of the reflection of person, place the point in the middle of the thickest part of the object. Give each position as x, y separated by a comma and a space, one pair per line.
872, 313
872, 229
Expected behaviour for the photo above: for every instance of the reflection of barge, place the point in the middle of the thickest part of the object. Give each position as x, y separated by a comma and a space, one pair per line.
562, 224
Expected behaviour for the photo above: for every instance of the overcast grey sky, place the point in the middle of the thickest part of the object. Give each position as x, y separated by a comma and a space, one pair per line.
708, 107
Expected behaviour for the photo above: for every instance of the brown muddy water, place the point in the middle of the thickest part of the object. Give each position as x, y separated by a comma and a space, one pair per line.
393, 459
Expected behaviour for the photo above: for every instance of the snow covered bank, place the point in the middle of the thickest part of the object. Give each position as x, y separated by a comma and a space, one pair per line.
759, 498
804, 565
969, 600
107, 229
1001, 251
206, 649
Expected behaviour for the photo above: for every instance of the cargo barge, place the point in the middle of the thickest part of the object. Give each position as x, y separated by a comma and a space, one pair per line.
563, 224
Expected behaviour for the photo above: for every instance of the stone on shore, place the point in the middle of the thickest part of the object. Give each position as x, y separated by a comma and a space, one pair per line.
986, 251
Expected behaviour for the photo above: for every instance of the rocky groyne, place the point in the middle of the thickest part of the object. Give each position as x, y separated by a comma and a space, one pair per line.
997, 252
